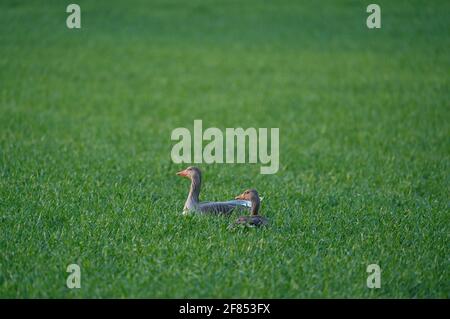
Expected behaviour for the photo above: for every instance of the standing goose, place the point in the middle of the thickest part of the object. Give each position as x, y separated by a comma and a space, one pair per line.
194, 205
254, 220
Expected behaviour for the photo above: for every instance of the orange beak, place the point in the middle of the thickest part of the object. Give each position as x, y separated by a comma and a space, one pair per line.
183, 173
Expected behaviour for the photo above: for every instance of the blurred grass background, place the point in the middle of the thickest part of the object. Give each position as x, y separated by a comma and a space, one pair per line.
85, 169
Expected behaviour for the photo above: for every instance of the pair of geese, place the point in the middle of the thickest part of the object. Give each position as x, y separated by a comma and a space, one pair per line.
248, 200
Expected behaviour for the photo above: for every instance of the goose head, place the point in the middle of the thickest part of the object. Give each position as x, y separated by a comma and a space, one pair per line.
253, 196
191, 172
249, 194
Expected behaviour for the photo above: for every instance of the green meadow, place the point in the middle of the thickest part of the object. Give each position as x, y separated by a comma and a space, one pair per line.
86, 175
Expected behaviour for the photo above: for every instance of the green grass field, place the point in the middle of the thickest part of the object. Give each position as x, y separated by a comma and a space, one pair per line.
86, 175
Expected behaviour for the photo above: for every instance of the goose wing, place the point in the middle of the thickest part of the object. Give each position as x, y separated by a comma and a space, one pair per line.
223, 207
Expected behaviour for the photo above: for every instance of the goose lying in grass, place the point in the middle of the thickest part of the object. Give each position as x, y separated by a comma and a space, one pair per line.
193, 203
254, 220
